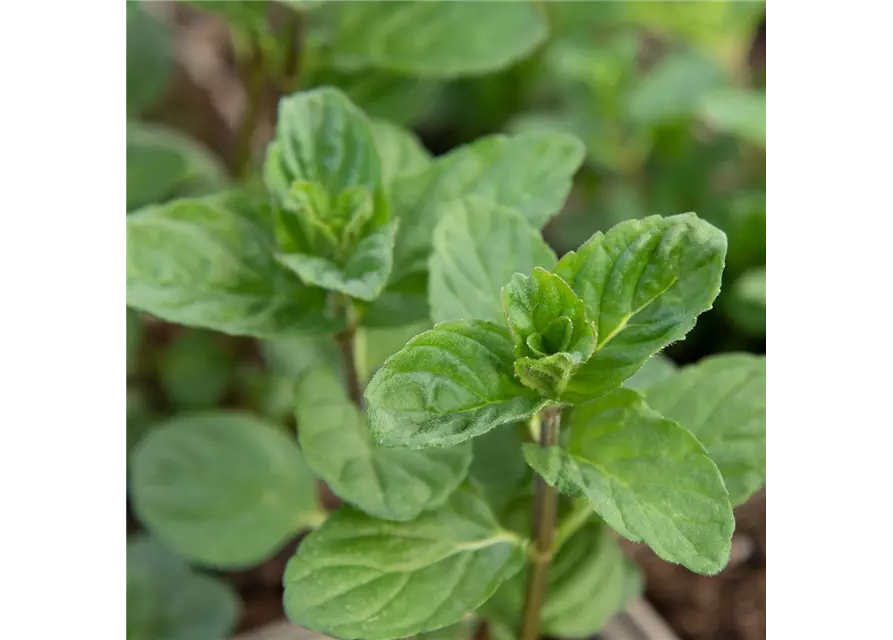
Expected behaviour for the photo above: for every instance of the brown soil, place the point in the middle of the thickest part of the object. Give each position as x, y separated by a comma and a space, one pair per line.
728, 606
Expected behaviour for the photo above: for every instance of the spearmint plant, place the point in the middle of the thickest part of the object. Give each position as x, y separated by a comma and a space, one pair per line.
486, 464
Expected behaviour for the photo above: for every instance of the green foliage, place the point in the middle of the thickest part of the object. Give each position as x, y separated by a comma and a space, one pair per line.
223, 489
166, 600
195, 371
149, 58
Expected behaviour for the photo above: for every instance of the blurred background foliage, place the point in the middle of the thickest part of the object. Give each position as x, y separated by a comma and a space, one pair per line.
668, 97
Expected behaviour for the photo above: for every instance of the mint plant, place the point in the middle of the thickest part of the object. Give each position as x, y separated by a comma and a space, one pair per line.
489, 414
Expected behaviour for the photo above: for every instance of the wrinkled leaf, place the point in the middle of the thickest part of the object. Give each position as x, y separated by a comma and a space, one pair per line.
400, 151
163, 163
360, 577
420, 38
167, 600
478, 245
649, 478
722, 401
197, 263
530, 172
552, 332
223, 489
644, 283
394, 484
447, 385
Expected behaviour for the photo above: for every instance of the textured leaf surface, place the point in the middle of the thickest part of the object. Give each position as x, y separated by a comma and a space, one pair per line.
364, 274
394, 484
166, 600
530, 172
419, 38
197, 263
722, 401
322, 138
359, 577
223, 489
644, 283
400, 151
163, 163
588, 583
478, 245
649, 478
447, 385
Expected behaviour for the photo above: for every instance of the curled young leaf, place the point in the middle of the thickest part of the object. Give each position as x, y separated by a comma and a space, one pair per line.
223, 489
199, 263
646, 476
552, 334
359, 577
447, 385
419, 38
478, 245
644, 284
722, 401
395, 484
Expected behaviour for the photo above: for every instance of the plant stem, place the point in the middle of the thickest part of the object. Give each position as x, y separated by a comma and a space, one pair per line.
544, 507
347, 345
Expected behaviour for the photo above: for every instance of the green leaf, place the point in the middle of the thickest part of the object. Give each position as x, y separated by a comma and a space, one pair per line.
400, 151
478, 245
166, 600
150, 59
134, 338
359, 577
644, 283
223, 489
462, 630
195, 371
530, 172
197, 263
722, 401
447, 385
498, 467
399, 304
163, 164
322, 138
394, 484
380, 344
649, 478
419, 38
587, 585
364, 274
552, 333
737, 112
294, 357
674, 88
746, 306
657, 369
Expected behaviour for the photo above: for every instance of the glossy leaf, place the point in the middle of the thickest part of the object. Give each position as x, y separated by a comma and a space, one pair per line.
647, 477
360, 577
447, 385
530, 172
198, 263
167, 600
394, 484
400, 151
223, 489
644, 283
163, 163
588, 583
722, 401
150, 58
552, 332
478, 245
419, 38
